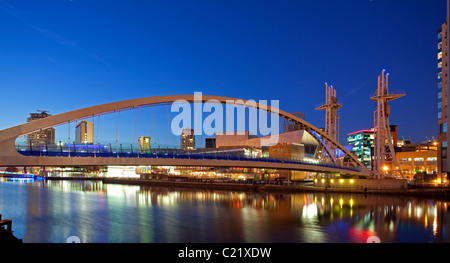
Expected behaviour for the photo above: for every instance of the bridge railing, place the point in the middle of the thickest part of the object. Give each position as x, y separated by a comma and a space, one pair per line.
119, 151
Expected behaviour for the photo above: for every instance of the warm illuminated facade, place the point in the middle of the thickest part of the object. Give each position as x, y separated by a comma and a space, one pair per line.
187, 139
84, 133
418, 158
144, 143
415, 162
288, 151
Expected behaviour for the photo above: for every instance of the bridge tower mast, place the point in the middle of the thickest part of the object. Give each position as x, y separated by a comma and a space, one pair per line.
384, 158
331, 108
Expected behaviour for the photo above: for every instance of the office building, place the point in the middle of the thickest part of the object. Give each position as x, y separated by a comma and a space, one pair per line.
187, 139
84, 133
362, 142
42, 137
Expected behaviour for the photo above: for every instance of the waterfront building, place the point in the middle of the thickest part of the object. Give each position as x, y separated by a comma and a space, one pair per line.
187, 139
287, 151
41, 137
84, 133
244, 138
144, 144
417, 158
443, 103
122, 171
363, 142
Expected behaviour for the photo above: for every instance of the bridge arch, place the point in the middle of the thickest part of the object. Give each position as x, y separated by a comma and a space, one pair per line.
9, 135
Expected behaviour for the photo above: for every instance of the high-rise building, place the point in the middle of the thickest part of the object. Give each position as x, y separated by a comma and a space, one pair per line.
187, 139
443, 103
84, 133
42, 137
363, 142
144, 144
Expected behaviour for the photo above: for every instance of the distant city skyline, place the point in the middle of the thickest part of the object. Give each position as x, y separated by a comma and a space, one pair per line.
66, 55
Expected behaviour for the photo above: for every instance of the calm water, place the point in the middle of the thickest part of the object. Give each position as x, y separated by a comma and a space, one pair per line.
96, 212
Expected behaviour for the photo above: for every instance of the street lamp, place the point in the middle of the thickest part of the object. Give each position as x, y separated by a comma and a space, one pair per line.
385, 169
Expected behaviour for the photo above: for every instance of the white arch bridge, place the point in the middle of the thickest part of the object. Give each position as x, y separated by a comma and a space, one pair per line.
348, 164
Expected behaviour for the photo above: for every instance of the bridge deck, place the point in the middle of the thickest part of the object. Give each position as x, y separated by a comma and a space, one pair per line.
64, 158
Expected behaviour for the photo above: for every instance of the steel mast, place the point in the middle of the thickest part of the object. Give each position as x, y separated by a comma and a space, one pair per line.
384, 158
331, 107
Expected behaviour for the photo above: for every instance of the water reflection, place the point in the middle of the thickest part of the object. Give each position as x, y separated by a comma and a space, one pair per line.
96, 212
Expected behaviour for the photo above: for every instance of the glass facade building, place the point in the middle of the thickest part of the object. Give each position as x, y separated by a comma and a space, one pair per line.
362, 142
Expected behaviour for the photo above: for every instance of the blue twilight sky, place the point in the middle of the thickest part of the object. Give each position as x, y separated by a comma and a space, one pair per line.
62, 55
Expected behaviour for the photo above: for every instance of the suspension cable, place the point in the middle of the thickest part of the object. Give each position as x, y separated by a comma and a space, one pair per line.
167, 133
116, 122
69, 132
135, 124
68, 143
153, 127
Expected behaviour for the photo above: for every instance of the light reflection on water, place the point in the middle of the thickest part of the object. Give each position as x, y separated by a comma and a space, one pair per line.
96, 212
